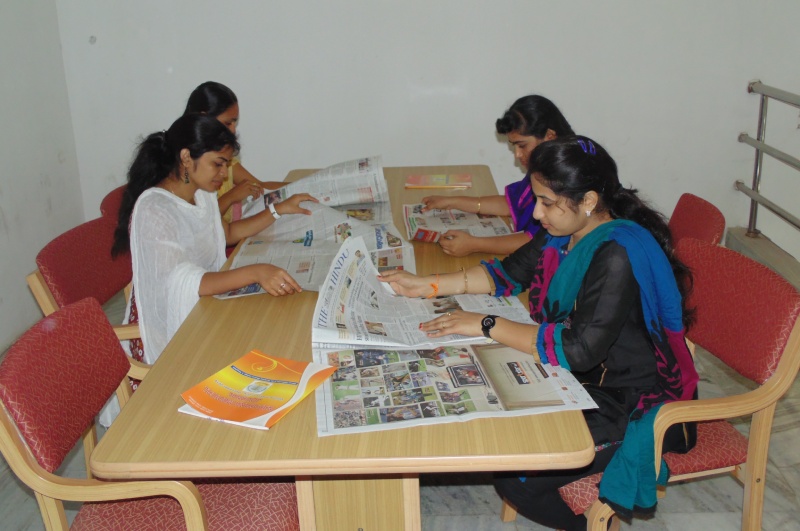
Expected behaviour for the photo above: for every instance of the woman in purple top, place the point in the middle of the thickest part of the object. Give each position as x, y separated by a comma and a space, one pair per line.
530, 121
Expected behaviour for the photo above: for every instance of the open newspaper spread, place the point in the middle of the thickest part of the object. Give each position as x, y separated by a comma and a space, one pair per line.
305, 245
379, 389
429, 226
354, 308
255, 391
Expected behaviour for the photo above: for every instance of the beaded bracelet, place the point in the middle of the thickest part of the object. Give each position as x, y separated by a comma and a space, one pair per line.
479, 206
466, 280
534, 349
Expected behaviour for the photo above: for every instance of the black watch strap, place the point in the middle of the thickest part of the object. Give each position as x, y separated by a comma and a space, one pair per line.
487, 323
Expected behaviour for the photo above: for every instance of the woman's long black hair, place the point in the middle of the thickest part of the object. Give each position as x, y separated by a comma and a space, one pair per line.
573, 165
158, 156
210, 98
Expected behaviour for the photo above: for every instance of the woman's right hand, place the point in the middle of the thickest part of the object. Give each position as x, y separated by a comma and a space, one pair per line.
407, 284
245, 189
440, 202
276, 281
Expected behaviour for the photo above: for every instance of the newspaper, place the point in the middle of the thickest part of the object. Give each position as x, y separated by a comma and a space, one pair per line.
429, 226
305, 245
355, 308
346, 183
380, 389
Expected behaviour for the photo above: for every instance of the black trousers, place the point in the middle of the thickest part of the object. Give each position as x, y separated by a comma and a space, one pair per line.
537, 497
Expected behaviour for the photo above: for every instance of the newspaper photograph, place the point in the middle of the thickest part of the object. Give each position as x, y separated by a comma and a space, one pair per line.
380, 389
431, 225
305, 245
355, 308
346, 183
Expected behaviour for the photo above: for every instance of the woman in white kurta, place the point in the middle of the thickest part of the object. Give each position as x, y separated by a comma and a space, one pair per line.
177, 237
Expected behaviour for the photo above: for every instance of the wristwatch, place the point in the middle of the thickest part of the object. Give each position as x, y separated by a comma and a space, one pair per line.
487, 323
273, 211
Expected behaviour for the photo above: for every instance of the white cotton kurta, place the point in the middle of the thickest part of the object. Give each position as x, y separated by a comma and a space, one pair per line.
173, 244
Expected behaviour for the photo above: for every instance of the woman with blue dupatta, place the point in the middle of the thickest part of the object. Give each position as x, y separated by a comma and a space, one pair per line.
607, 293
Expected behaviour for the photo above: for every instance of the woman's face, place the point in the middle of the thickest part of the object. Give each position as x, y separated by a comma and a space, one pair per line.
230, 118
554, 212
522, 146
211, 169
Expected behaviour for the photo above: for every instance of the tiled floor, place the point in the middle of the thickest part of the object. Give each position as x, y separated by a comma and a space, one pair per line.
467, 502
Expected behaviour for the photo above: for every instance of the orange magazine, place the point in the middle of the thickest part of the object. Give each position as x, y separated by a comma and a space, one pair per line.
454, 181
256, 390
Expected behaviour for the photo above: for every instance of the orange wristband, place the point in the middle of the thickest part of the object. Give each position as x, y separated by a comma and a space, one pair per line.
435, 288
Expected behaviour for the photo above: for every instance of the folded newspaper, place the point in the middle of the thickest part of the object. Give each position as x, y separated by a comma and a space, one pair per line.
355, 308
429, 226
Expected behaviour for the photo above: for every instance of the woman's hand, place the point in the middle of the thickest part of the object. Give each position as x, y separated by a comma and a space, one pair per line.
292, 204
407, 284
455, 322
245, 189
457, 243
276, 281
441, 202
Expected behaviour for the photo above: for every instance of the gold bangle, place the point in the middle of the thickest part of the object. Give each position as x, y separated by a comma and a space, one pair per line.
466, 280
479, 206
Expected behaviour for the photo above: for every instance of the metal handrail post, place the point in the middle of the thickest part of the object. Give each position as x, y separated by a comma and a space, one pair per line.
752, 231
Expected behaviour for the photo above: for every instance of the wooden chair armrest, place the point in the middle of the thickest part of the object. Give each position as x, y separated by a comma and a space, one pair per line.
42, 294
91, 490
127, 331
138, 369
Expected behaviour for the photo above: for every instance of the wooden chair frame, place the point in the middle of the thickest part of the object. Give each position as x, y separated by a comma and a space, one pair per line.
51, 490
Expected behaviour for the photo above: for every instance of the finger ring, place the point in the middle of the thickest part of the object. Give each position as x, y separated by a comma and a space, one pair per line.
283, 284
448, 314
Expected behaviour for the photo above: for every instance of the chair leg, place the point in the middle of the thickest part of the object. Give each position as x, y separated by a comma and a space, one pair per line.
599, 516
53, 515
508, 513
89, 442
756, 468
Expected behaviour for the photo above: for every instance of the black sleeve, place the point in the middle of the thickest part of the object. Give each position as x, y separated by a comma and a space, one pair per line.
607, 298
521, 264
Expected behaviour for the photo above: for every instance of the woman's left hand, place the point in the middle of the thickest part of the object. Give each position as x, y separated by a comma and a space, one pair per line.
455, 322
292, 204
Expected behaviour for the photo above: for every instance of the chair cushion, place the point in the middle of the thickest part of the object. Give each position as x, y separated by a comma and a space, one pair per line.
719, 445
231, 505
581, 494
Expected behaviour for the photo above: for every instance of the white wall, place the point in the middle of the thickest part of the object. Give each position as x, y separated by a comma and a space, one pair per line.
40, 194
662, 85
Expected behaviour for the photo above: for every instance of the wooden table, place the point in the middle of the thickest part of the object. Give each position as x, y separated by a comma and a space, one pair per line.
345, 482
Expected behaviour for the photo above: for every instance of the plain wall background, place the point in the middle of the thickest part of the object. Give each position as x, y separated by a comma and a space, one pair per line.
661, 85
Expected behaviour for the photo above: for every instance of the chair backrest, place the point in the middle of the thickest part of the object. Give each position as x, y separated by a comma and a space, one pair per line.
57, 376
745, 311
109, 206
78, 264
694, 217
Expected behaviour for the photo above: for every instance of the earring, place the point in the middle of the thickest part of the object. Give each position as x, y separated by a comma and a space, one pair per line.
186, 180
588, 212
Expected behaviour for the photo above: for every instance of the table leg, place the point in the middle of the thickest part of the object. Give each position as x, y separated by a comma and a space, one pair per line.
363, 503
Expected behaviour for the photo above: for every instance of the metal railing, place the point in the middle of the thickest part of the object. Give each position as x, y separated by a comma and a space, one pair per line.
762, 148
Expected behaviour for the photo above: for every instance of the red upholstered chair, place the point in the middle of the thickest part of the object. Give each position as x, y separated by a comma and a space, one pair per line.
694, 217
747, 317
109, 206
53, 382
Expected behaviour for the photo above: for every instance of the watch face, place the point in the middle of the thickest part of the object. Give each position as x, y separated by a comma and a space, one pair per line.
487, 322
